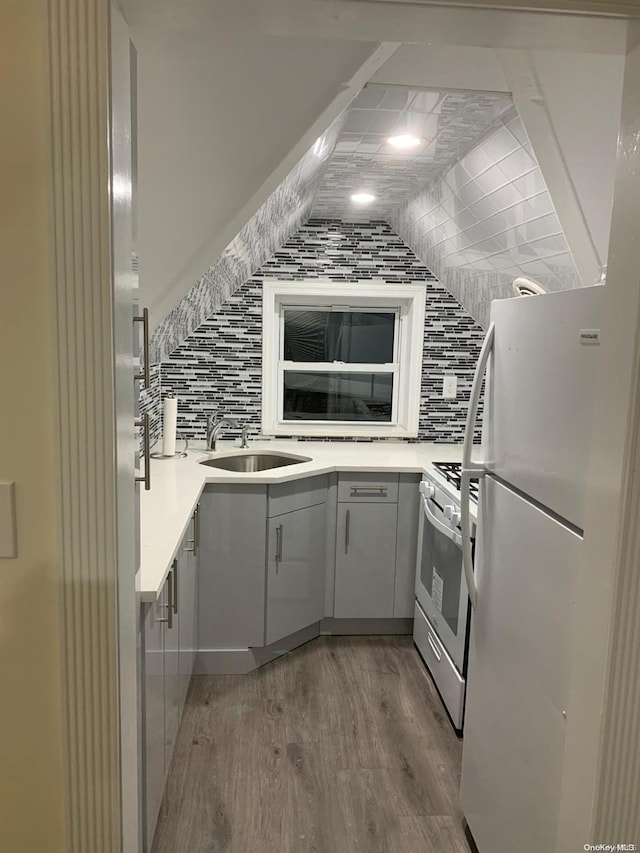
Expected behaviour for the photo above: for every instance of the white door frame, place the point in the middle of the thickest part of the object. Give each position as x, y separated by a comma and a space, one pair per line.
606, 610
86, 439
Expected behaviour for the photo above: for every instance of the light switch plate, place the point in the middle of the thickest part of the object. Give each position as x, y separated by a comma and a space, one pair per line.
449, 386
8, 537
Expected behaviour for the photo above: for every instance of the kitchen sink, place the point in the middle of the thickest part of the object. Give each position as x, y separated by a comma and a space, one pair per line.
248, 463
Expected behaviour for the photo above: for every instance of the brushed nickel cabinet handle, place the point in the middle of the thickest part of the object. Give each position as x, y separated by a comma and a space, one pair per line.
368, 491
195, 542
192, 542
146, 427
145, 375
175, 586
169, 617
196, 530
279, 538
347, 530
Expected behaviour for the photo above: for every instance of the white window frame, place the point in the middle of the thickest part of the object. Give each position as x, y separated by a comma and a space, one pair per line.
408, 300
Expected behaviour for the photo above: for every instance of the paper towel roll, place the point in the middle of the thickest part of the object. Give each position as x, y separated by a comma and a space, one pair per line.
169, 423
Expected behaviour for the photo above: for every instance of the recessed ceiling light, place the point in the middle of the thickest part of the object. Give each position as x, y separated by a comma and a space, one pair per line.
404, 140
363, 198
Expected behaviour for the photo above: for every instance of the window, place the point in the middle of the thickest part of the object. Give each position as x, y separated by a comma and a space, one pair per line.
341, 359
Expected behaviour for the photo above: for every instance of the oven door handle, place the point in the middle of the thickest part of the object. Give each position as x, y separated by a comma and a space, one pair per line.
456, 538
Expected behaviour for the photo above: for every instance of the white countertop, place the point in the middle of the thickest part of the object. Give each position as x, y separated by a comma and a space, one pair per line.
176, 486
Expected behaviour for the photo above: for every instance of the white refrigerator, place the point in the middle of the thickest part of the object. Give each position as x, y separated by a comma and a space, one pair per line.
540, 356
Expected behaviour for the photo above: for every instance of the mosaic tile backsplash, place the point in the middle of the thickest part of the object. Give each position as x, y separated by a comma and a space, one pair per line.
150, 401
218, 367
487, 220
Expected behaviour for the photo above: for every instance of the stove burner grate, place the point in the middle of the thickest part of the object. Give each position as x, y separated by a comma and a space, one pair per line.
452, 471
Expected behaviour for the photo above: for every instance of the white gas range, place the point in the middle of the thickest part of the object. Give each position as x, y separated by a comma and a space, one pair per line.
441, 624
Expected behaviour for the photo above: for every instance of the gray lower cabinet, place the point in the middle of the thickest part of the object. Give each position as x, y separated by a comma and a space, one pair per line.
169, 638
262, 562
365, 560
406, 546
153, 717
188, 606
296, 564
376, 541
171, 668
232, 565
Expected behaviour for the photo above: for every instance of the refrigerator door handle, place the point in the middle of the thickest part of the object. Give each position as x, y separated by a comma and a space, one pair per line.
472, 413
465, 525
470, 468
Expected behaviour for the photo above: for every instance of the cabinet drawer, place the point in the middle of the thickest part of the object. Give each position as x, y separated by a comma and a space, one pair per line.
369, 488
297, 494
445, 675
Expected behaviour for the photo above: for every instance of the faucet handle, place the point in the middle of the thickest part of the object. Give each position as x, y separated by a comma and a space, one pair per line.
245, 435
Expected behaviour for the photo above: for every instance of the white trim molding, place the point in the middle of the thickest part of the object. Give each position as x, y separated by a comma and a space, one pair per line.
601, 784
83, 366
616, 813
407, 300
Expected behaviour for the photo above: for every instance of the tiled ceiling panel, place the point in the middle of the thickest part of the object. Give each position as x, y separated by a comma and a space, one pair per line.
449, 123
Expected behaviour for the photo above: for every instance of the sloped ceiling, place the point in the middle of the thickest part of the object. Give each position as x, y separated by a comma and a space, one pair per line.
363, 160
223, 117
269, 228
470, 201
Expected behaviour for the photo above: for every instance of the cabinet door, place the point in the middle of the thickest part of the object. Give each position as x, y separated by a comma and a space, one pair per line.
365, 561
171, 667
187, 608
231, 566
295, 571
153, 639
407, 546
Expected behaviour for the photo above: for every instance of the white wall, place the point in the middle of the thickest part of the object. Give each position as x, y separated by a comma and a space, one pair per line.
570, 106
583, 94
31, 738
223, 116
438, 66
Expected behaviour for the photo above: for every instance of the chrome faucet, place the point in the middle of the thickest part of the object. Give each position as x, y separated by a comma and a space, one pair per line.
214, 428
245, 435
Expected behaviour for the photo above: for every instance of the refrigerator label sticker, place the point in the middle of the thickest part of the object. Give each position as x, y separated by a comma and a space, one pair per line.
590, 336
437, 588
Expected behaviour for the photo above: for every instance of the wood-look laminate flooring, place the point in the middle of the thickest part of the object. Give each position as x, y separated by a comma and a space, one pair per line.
341, 746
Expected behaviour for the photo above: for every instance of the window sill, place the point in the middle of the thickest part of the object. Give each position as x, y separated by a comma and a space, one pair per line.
340, 431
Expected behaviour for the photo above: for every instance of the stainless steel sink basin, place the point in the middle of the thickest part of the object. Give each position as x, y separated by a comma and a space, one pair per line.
248, 463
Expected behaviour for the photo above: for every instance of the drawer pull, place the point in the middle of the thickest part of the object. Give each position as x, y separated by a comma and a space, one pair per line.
144, 423
368, 491
175, 586
279, 537
347, 530
145, 376
434, 648
195, 542
169, 606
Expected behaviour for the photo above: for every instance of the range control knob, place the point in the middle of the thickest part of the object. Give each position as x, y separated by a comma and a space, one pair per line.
452, 514
427, 489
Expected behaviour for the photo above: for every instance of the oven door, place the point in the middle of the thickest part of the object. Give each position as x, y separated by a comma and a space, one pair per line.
440, 586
